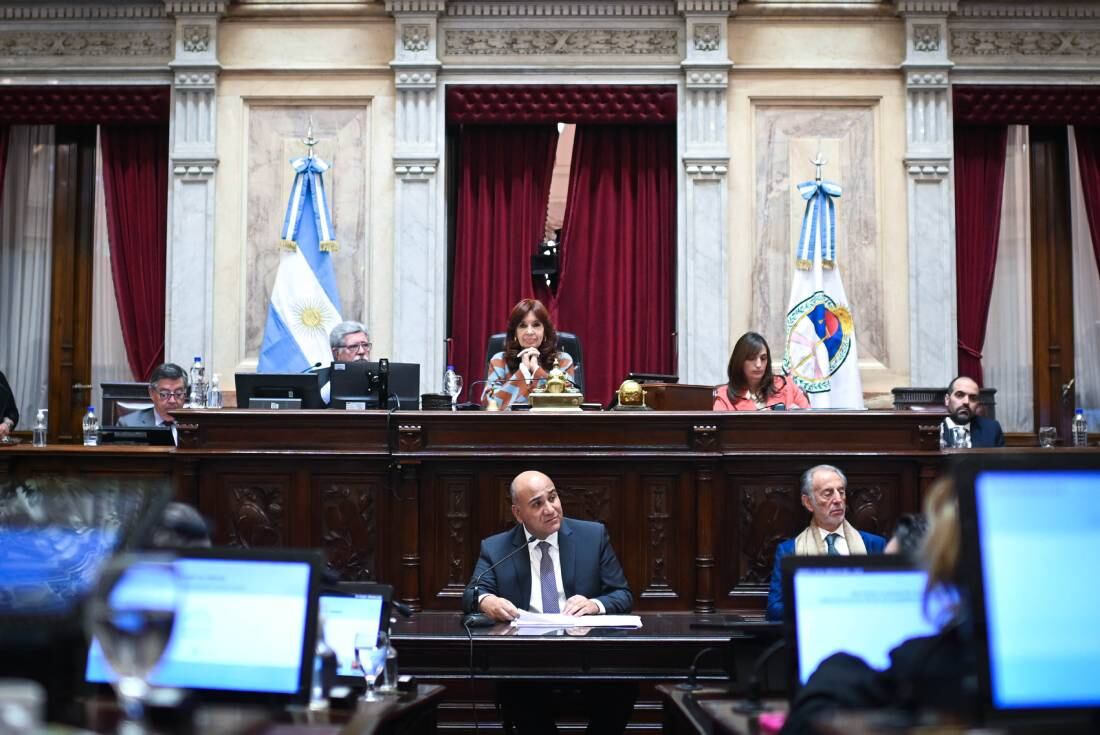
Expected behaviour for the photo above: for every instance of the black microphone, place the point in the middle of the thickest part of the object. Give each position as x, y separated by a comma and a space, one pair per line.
470, 594
313, 367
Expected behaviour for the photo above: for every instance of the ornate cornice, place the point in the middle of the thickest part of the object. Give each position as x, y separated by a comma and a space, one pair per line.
416, 6
560, 9
706, 6
706, 168
196, 7
928, 169
1029, 43
23, 44
936, 7
134, 10
561, 42
1020, 9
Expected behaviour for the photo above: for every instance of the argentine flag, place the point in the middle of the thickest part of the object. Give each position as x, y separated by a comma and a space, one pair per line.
820, 354
304, 302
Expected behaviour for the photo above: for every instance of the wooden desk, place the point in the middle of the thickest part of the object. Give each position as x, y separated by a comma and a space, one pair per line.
412, 713
695, 502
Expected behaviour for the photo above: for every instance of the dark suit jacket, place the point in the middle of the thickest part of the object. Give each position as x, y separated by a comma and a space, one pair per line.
589, 567
936, 673
986, 432
875, 545
8, 409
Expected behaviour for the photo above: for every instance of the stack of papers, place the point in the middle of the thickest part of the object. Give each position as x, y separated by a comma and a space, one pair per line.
557, 620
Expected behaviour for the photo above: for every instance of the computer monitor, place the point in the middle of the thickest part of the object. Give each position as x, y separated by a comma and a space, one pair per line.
359, 384
1030, 526
348, 609
156, 436
278, 390
862, 605
245, 627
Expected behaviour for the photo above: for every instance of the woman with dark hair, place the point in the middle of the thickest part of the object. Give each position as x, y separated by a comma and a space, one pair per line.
752, 385
530, 346
937, 673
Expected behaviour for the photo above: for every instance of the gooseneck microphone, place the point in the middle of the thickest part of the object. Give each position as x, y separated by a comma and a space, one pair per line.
471, 593
313, 367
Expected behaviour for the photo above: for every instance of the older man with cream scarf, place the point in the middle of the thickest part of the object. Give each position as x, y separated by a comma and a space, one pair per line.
824, 494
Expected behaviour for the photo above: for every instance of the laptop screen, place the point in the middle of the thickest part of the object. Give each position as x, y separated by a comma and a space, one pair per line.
242, 625
1038, 534
347, 615
865, 606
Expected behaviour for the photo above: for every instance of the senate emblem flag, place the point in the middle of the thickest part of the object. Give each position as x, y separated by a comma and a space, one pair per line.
820, 354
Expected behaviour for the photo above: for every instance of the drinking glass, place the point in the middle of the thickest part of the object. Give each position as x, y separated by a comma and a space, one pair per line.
372, 661
131, 615
1048, 435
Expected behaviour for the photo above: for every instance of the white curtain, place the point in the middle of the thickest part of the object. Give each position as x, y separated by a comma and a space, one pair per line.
109, 363
1086, 300
26, 229
1006, 356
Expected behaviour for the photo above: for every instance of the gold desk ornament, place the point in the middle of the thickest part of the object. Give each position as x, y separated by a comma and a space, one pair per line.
631, 397
558, 394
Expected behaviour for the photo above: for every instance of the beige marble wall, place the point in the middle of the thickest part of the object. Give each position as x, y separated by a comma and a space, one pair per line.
796, 88
275, 75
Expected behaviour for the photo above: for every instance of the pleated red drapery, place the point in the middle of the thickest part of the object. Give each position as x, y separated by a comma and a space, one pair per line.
3, 156
616, 286
504, 177
1088, 161
135, 181
979, 184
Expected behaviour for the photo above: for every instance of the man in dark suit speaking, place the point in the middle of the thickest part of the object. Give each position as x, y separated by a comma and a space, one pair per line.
569, 567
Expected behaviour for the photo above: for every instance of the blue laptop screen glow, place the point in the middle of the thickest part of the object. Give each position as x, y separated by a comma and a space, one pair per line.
344, 618
240, 627
866, 613
1039, 533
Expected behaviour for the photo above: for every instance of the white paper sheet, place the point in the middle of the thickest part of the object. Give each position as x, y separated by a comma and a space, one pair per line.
541, 620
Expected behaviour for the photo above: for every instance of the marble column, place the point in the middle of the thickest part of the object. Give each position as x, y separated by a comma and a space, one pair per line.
933, 334
189, 311
420, 236
702, 289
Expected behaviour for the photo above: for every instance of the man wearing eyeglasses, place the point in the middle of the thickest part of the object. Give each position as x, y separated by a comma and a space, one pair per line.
167, 391
350, 342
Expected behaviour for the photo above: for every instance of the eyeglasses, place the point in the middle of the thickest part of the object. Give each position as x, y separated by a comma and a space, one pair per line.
358, 346
166, 394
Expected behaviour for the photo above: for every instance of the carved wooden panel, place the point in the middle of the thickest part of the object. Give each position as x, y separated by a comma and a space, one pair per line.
660, 497
769, 513
457, 491
587, 497
351, 525
252, 509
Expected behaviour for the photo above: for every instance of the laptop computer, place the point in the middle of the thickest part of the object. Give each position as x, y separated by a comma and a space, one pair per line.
1030, 528
245, 628
350, 608
862, 605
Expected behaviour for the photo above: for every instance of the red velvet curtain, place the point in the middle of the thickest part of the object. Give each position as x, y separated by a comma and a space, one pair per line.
618, 252
3, 157
503, 187
135, 181
979, 183
1088, 160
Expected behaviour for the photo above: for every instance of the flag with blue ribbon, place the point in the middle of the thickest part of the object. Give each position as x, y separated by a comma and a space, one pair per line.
305, 304
821, 355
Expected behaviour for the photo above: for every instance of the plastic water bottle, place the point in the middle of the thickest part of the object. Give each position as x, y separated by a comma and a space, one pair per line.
214, 393
39, 436
198, 384
389, 674
452, 384
324, 670
1080, 429
91, 428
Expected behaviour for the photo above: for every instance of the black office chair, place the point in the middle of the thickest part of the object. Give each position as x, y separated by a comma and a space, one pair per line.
567, 342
